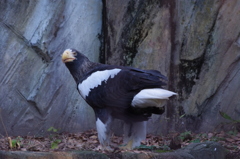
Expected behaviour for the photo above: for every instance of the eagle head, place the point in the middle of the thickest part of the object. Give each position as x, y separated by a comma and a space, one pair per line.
69, 55
77, 63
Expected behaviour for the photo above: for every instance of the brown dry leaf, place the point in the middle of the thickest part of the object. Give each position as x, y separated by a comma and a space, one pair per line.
238, 143
84, 138
236, 138
71, 146
70, 141
80, 145
93, 141
229, 139
93, 137
116, 140
210, 135
221, 134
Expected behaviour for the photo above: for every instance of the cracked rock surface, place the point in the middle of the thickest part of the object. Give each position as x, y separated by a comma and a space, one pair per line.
37, 91
195, 43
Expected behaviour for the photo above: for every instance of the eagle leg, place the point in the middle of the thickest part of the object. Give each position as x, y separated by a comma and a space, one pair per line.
103, 132
134, 133
103, 124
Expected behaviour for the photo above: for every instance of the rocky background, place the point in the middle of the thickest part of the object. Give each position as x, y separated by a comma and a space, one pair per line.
195, 43
37, 91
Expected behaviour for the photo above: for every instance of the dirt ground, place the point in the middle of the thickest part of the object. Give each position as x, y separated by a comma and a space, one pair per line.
88, 141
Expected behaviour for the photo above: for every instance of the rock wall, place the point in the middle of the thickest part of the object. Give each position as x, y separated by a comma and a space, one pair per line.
195, 43
37, 91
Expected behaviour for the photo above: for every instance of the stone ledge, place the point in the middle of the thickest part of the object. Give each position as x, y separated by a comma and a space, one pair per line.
206, 150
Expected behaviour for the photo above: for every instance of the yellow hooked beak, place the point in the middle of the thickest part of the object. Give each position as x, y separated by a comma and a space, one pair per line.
68, 56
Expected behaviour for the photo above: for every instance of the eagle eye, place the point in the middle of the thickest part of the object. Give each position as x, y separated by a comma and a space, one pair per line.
74, 53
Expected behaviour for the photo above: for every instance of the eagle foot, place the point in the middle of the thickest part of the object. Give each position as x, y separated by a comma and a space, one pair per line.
104, 148
128, 146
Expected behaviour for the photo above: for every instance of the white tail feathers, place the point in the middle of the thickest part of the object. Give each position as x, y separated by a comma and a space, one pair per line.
151, 97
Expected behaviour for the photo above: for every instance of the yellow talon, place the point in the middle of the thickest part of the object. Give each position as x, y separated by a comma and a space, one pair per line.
128, 146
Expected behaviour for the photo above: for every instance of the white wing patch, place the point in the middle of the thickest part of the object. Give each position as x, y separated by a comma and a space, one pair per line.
95, 79
151, 97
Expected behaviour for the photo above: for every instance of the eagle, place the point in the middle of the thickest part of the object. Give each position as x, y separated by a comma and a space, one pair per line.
118, 92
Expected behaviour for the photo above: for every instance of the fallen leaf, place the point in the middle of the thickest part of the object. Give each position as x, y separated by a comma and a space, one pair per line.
210, 135
229, 140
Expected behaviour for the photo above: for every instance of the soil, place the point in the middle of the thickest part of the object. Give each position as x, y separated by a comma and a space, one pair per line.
88, 141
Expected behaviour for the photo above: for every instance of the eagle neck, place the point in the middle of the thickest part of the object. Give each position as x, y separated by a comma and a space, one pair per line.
79, 69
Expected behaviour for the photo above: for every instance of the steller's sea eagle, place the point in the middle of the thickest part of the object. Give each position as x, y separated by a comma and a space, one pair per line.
117, 92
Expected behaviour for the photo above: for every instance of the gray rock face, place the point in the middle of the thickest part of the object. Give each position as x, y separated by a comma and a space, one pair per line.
194, 43
37, 91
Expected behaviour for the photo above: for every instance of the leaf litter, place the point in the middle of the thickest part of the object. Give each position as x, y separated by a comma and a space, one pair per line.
89, 141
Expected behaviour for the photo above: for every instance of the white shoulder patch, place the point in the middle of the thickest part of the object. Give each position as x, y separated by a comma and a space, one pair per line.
95, 79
